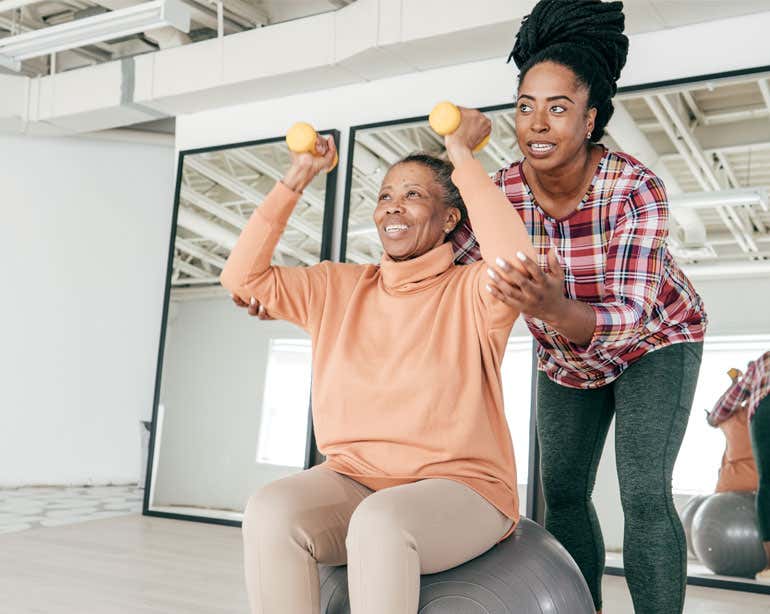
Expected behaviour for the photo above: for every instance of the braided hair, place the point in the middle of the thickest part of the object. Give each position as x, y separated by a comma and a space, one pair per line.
585, 36
442, 173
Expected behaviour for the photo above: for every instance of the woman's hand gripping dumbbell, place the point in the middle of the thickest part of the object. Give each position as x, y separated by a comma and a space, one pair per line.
301, 139
449, 119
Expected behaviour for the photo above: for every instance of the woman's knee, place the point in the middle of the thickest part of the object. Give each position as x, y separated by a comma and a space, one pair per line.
377, 524
562, 490
647, 506
269, 512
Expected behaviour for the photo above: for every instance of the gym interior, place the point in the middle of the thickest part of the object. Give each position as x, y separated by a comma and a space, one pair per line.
141, 408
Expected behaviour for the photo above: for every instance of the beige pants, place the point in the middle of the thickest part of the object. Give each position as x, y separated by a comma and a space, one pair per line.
387, 539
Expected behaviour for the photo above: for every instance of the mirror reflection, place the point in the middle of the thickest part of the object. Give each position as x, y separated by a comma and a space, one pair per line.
234, 393
710, 143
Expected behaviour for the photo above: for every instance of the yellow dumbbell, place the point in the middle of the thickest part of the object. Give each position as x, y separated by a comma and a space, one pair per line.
302, 138
733, 373
445, 119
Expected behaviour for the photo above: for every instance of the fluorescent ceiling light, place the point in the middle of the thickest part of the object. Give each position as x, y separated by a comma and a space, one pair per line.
90, 30
721, 198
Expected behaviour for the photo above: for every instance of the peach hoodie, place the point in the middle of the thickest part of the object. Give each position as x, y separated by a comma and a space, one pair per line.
406, 355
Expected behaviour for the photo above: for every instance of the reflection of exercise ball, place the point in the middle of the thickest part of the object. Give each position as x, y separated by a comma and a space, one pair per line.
726, 537
688, 513
528, 573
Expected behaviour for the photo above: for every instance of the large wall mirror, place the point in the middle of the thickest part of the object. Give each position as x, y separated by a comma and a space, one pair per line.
232, 393
709, 140
374, 149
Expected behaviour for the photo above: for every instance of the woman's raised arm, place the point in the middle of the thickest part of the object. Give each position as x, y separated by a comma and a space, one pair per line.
286, 292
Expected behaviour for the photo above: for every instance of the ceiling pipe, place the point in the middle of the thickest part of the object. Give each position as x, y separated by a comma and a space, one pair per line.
732, 270
721, 198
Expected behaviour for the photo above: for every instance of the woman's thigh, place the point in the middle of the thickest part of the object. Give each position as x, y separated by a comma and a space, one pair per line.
312, 507
653, 399
446, 522
572, 426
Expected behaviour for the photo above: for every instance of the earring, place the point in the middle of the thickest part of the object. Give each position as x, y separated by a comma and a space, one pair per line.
447, 231
588, 136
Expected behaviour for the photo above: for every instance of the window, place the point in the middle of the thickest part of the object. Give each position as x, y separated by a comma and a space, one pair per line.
699, 460
285, 405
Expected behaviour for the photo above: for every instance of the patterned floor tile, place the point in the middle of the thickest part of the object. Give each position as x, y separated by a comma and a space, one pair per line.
33, 507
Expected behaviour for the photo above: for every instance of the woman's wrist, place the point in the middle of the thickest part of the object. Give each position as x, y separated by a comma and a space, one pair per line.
298, 177
459, 154
558, 314
574, 319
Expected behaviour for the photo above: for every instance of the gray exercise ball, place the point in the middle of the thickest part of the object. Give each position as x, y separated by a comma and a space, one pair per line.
726, 536
528, 573
688, 513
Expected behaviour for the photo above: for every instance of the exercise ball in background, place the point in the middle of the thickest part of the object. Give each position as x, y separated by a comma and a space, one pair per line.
528, 573
688, 513
725, 535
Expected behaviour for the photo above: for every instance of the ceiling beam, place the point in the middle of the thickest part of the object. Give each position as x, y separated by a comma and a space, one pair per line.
241, 189
195, 222
682, 140
198, 252
708, 170
309, 194
190, 269
631, 139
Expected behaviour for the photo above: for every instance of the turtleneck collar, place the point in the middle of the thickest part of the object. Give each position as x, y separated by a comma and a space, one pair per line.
416, 273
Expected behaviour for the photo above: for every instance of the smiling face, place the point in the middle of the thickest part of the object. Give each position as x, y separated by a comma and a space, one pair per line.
552, 118
412, 216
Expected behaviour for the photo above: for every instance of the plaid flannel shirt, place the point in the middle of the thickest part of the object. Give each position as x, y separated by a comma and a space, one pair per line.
749, 389
614, 257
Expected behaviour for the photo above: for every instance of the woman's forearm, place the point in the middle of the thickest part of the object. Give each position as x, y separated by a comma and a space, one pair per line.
297, 178
253, 251
575, 320
496, 224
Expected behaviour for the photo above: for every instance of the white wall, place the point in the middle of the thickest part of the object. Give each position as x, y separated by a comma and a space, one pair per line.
84, 237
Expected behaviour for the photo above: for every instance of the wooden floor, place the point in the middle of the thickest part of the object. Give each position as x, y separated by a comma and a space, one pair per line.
142, 565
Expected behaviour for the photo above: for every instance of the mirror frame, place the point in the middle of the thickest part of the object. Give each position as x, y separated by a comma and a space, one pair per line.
325, 254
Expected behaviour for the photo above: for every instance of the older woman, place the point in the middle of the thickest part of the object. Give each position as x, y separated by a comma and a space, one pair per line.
413, 452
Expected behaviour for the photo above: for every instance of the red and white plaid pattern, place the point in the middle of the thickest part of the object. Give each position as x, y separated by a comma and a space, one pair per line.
614, 255
751, 388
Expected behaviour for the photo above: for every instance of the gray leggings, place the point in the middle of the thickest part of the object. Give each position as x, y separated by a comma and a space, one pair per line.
651, 403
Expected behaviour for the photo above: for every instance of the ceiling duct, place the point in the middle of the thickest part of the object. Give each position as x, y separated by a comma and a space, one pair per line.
90, 30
